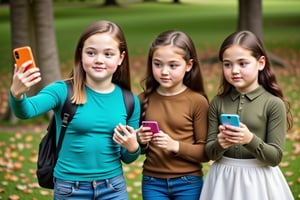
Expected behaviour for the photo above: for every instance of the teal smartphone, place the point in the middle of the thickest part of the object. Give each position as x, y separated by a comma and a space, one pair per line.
230, 119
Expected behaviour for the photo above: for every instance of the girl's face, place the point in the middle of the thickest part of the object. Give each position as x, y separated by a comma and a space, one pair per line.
101, 57
241, 69
169, 68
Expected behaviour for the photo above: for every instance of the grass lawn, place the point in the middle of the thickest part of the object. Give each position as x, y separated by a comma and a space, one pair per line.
207, 22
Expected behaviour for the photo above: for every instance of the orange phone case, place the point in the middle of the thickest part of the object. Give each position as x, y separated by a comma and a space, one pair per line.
23, 54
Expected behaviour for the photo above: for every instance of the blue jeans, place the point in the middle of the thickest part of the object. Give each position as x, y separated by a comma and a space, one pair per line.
112, 188
181, 188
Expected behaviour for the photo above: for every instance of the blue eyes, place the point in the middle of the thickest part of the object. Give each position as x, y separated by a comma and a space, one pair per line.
241, 64
108, 54
172, 66
157, 64
92, 54
226, 65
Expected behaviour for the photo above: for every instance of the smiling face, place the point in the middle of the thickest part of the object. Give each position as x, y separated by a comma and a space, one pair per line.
169, 68
241, 68
101, 57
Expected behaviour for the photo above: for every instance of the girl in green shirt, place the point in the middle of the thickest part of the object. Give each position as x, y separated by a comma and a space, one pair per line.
247, 157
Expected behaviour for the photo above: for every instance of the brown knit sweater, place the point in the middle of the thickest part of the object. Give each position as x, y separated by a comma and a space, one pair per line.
184, 118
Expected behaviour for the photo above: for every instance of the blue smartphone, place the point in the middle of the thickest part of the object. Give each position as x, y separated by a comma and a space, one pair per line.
230, 119
152, 124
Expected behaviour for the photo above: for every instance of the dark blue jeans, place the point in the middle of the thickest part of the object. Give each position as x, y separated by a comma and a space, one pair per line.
113, 188
181, 188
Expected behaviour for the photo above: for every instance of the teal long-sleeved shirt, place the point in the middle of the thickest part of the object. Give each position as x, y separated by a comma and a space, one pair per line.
88, 151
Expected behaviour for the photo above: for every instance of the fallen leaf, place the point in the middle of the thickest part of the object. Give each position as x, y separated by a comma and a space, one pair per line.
131, 175
14, 154
284, 164
14, 178
129, 189
17, 166
44, 192
21, 187
29, 138
289, 173
27, 191
14, 197
5, 183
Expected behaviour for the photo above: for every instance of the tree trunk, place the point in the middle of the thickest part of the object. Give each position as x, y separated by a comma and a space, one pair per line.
110, 3
32, 25
250, 16
46, 50
19, 34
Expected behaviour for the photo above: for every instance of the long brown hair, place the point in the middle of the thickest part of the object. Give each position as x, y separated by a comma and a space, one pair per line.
78, 75
192, 79
266, 77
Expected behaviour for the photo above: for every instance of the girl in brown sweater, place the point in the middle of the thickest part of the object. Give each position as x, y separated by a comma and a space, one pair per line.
173, 96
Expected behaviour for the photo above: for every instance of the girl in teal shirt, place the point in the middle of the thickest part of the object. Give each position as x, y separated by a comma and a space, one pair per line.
97, 139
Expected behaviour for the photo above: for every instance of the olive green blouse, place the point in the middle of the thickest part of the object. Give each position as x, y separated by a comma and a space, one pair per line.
265, 116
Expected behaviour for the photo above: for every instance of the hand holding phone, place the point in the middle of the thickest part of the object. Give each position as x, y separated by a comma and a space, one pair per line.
152, 124
23, 54
230, 119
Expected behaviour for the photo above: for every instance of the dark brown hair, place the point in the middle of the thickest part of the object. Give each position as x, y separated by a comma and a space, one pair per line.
192, 79
266, 77
121, 75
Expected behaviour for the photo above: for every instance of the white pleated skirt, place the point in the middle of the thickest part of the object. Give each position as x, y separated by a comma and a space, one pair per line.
244, 179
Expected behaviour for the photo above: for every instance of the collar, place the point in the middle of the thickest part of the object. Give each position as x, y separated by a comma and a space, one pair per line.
250, 95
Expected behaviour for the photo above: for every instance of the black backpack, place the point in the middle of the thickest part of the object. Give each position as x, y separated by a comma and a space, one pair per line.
48, 151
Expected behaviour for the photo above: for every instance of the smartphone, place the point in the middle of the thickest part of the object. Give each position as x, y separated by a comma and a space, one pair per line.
152, 124
23, 54
230, 119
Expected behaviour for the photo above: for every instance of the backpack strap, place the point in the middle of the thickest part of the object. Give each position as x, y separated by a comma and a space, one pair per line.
67, 114
129, 102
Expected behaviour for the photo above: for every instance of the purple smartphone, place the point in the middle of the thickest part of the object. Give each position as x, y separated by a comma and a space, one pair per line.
152, 124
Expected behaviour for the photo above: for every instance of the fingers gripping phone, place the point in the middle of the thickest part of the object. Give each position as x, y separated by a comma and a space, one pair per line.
152, 124
230, 119
23, 54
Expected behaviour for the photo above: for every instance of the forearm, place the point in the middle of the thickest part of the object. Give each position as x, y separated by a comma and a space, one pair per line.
213, 150
270, 154
192, 152
128, 157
